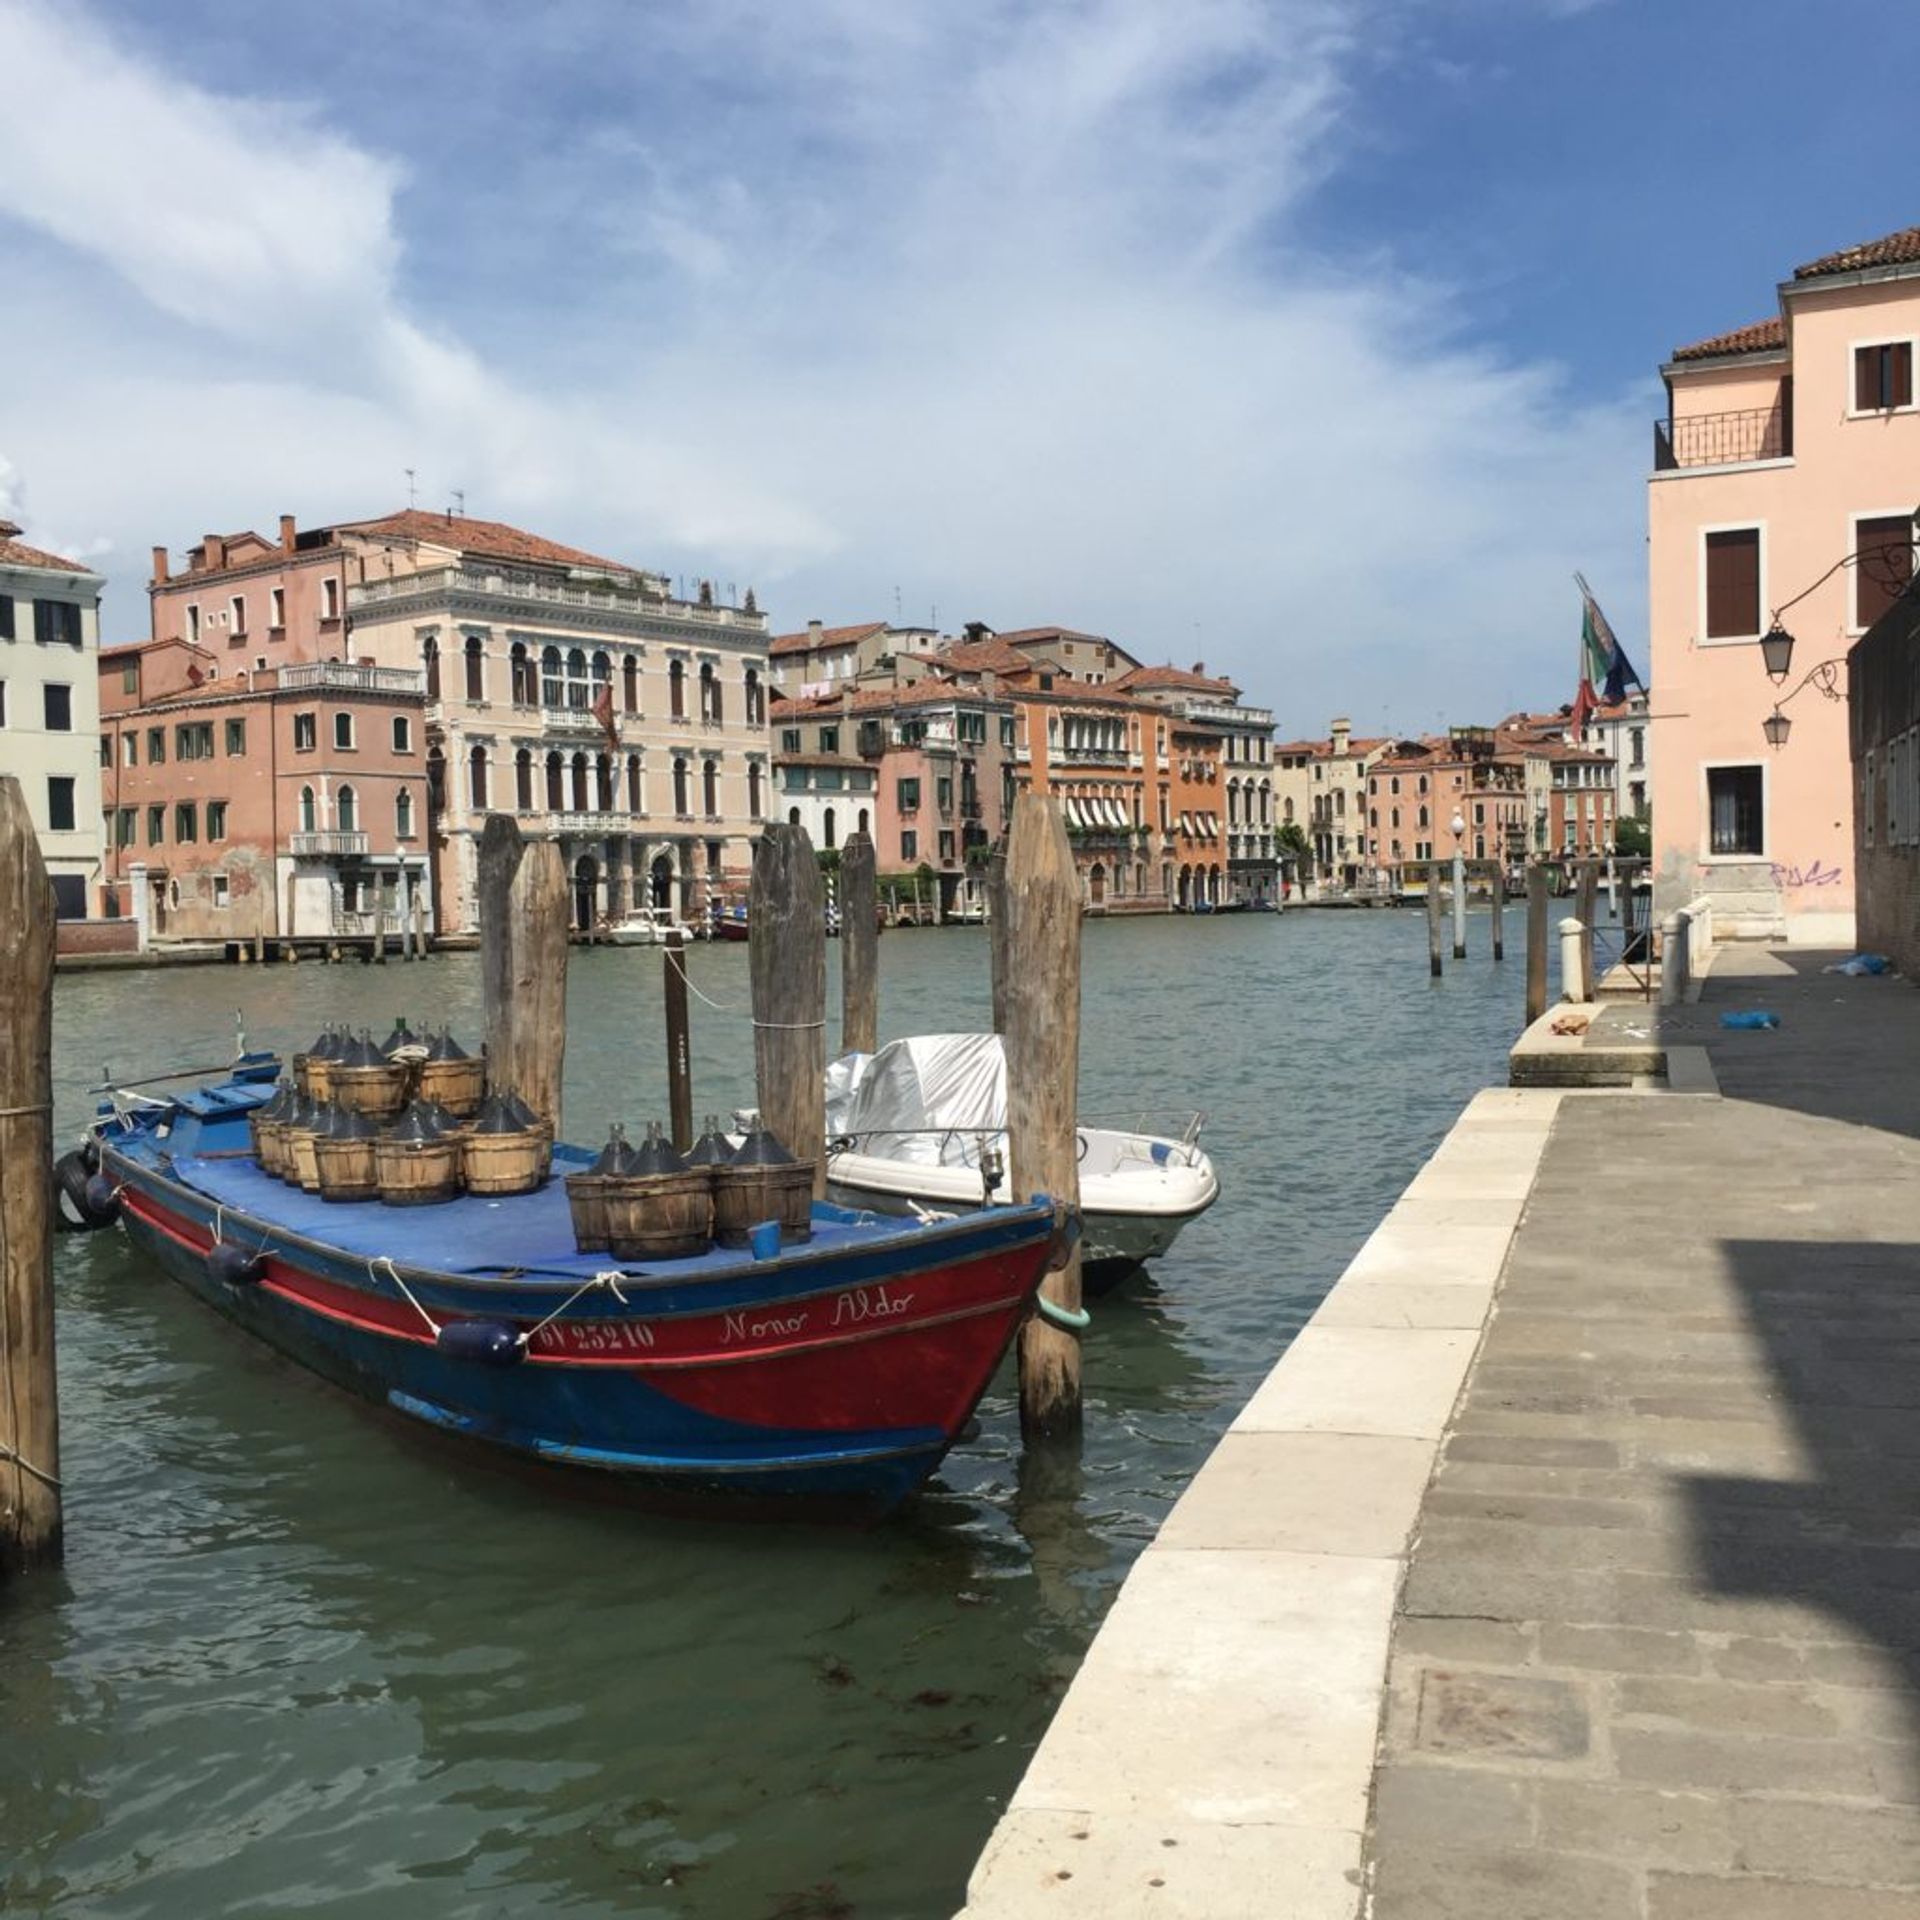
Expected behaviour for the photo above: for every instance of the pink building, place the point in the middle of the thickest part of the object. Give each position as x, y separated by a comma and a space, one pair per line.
1785, 478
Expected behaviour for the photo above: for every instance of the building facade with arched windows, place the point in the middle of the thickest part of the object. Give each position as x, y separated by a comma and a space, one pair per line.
578, 694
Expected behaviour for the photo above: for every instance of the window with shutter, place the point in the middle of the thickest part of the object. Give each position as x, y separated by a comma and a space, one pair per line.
1883, 564
1733, 583
1883, 376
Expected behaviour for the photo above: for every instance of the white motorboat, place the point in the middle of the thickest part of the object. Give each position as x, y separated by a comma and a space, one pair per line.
922, 1124
646, 927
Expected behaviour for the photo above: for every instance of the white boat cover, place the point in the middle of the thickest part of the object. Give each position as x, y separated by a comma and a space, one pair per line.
926, 1099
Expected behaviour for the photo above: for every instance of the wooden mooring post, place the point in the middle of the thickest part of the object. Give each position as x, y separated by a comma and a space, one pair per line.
1041, 910
673, 973
787, 958
1536, 942
1496, 899
524, 908
997, 932
1433, 918
419, 926
859, 947
1584, 911
30, 1516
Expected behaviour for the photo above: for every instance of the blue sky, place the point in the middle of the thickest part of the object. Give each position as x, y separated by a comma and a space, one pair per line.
1317, 339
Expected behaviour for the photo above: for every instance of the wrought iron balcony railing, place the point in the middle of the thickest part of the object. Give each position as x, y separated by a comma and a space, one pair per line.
1723, 439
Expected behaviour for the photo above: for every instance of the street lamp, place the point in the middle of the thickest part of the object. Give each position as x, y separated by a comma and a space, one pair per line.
1776, 726
1776, 650
1459, 826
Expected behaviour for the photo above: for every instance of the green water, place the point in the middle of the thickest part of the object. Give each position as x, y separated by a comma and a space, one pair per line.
299, 1659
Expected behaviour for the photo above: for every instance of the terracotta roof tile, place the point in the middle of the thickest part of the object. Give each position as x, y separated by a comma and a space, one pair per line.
1763, 336
14, 552
492, 538
995, 654
1891, 250
1052, 633
1177, 679
827, 637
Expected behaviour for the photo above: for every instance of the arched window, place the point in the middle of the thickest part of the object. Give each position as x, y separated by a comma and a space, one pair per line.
556, 776
436, 781
579, 783
476, 668
636, 798
630, 684
521, 672
793, 816
603, 782
578, 698
523, 780
477, 778
430, 661
710, 787
753, 789
826, 827
682, 797
403, 814
677, 689
1423, 816
709, 692
552, 687
602, 675
756, 699
307, 814
863, 820
345, 810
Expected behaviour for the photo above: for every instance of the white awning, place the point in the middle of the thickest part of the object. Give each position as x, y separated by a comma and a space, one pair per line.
1186, 825
1115, 818
1074, 817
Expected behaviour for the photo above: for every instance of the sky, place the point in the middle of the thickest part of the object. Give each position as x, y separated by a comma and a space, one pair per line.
1317, 340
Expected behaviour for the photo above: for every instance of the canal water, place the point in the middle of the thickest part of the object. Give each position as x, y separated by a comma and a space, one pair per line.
298, 1659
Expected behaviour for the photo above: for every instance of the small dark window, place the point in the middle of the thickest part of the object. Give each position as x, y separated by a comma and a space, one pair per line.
1733, 584
1883, 565
1734, 811
69, 896
305, 733
156, 826
6, 616
60, 804
236, 738
216, 819
56, 623
186, 823
59, 707
1883, 377
156, 746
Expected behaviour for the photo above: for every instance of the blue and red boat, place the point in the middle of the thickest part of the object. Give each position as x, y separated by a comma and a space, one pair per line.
835, 1374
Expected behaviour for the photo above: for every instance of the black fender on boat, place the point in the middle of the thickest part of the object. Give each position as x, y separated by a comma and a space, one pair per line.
493, 1343
237, 1266
102, 1200
77, 1207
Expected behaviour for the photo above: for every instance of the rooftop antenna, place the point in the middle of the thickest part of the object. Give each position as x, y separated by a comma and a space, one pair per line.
896, 606
412, 491
460, 503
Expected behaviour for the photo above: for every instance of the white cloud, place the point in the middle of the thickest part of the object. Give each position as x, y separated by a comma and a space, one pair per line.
1001, 303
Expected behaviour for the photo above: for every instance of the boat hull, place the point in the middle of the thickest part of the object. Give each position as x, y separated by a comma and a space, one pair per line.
835, 1380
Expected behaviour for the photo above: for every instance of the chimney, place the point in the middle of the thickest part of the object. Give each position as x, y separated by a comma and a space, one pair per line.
1200, 669
159, 566
814, 631
1342, 733
215, 550
286, 533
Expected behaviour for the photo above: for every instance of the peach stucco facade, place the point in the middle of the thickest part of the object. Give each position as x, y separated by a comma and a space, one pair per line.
1767, 449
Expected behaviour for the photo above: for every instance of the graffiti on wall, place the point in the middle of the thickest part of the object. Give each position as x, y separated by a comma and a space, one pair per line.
1819, 874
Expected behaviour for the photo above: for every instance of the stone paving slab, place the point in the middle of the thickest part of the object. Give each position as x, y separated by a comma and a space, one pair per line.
1657, 1651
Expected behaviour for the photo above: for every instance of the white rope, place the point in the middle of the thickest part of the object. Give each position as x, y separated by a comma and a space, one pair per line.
20, 1460
610, 1280
433, 1325
766, 1026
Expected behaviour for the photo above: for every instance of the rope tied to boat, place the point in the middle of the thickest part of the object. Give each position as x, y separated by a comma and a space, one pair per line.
393, 1272
720, 1006
21, 1461
610, 1280
1074, 1319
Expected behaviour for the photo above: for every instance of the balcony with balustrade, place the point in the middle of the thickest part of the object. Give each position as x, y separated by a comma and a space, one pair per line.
330, 845
1744, 437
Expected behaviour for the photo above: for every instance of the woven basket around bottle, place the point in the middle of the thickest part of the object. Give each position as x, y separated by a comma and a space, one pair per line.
658, 1216
377, 1091
501, 1163
299, 1167
587, 1202
347, 1169
417, 1173
745, 1196
457, 1085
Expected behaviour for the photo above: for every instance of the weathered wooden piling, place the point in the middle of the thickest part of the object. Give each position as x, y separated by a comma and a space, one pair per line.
523, 964
1536, 942
1433, 918
1496, 899
30, 1516
679, 1040
1041, 909
997, 932
1584, 912
380, 936
787, 958
419, 926
859, 947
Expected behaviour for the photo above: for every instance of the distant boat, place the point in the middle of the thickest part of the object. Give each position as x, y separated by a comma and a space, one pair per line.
729, 923
647, 927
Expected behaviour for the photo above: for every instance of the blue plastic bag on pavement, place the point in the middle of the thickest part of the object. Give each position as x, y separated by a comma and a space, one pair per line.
1745, 1022
1861, 963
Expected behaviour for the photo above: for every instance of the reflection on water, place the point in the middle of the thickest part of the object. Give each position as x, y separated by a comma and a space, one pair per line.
300, 1658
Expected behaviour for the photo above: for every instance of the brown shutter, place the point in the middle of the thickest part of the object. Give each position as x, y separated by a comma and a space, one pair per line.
1733, 584
1866, 379
1883, 567
1900, 379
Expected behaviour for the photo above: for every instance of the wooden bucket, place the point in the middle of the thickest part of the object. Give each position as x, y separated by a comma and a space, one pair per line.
658, 1216
301, 1167
417, 1173
743, 1196
457, 1085
504, 1162
380, 1091
347, 1169
301, 1081
587, 1201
